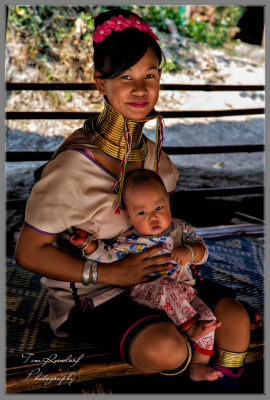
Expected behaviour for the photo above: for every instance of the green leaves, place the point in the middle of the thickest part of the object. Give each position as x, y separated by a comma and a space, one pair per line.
215, 34
50, 34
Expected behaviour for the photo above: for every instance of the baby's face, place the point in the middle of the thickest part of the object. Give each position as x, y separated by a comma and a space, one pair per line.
148, 209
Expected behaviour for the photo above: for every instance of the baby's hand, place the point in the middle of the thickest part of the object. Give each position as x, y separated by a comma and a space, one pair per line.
78, 238
181, 255
176, 256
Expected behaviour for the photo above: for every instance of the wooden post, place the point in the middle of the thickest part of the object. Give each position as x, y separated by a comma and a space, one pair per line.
263, 37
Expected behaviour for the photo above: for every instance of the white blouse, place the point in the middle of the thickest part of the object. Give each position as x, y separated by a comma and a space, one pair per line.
75, 190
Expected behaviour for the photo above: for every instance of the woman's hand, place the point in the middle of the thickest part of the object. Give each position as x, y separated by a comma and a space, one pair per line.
35, 252
135, 268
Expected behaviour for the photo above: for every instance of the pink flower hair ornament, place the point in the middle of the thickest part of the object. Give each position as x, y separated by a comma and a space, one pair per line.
118, 24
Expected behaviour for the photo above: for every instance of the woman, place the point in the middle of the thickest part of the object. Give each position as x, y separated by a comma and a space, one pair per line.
75, 190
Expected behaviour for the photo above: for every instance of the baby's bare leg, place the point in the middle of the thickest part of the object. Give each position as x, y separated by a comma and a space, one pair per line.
201, 328
198, 369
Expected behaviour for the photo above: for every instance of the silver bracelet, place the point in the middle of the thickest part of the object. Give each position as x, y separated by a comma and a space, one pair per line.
86, 272
94, 273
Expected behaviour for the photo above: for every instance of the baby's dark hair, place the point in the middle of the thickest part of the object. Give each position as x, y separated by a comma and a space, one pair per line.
138, 178
121, 50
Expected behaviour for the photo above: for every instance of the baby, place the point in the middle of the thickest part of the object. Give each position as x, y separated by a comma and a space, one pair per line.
145, 203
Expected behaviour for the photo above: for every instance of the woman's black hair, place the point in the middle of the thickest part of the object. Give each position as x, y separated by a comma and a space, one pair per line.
121, 50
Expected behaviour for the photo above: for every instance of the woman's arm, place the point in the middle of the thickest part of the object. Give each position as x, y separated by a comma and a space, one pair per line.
35, 252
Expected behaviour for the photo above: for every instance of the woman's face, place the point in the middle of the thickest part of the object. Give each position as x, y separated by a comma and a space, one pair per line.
135, 92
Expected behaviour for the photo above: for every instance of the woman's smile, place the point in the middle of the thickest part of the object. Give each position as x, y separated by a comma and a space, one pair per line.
138, 104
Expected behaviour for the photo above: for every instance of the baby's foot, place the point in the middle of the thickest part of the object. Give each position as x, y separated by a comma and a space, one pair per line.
201, 372
201, 328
